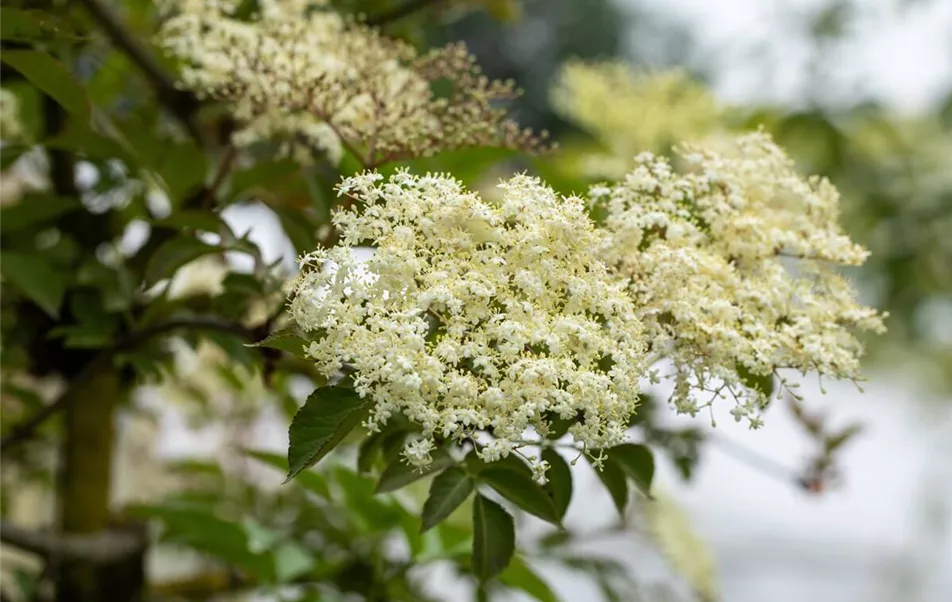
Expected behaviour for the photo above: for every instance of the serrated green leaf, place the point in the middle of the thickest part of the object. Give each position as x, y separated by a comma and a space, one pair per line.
518, 575
327, 416
613, 478
637, 462
175, 253
35, 209
559, 484
400, 474
307, 479
448, 490
286, 339
35, 278
522, 491
52, 77
494, 538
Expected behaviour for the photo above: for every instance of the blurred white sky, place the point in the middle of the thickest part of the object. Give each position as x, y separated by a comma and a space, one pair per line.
898, 51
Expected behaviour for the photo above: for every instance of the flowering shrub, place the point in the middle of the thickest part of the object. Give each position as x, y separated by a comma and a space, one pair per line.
478, 343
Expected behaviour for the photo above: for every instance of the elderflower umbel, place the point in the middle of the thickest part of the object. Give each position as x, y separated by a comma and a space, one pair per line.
632, 112
473, 315
733, 269
300, 70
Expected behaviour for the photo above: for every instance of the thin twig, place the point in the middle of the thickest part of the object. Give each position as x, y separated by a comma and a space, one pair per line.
27, 429
179, 102
404, 10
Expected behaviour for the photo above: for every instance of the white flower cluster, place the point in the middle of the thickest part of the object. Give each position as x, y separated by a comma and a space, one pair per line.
474, 316
733, 269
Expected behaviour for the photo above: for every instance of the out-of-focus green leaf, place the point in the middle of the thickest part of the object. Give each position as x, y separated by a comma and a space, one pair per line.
559, 484
291, 561
298, 227
17, 25
33, 276
35, 209
448, 490
494, 538
194, 219
203, 530
328, 415
518, 575
175, 253
52, 77
262, 178
307, 479
10, 154
522, 491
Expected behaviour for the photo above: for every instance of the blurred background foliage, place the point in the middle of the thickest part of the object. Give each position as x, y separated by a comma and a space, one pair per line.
86, 330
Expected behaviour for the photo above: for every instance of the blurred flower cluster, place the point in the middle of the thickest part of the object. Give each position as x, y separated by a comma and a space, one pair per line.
305, 75
631, 112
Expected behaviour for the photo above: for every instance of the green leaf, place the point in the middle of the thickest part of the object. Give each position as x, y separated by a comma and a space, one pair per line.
195, 219
34, 210
494, 538
35, 278
400, 474
203, 530
307, 479
262, 178
558, 427
637, 462
521, 491
291, 561
764, 383
175, 253
17, 25
52, 77
520, 576
286, 339
613, 478
368, 452
297, 225
327, 416
183, 168
10, 154
448, 490
510, 462
559, 485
